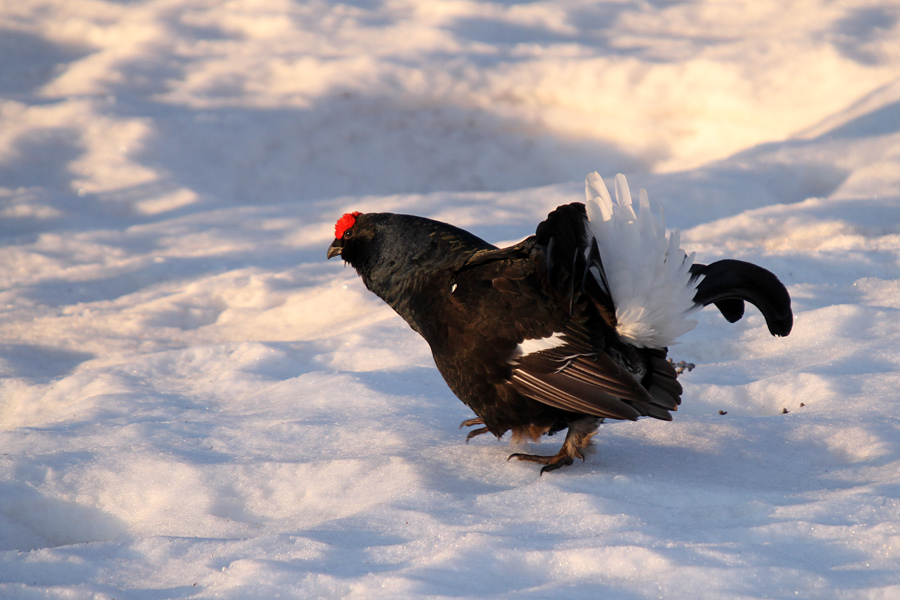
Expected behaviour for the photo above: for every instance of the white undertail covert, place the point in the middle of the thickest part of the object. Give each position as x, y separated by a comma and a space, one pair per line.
648, 273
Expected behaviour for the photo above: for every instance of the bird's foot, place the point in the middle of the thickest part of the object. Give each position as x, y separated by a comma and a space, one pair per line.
577, 439
474, 432
551, 463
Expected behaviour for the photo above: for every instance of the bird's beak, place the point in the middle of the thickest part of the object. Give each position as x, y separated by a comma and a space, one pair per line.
335, 248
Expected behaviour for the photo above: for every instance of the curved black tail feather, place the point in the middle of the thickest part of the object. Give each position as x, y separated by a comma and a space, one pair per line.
728, 283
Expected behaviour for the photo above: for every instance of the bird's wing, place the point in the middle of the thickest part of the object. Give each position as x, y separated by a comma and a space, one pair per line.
553, 317
591, 383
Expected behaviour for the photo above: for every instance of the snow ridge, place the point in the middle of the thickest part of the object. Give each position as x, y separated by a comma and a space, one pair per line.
648, 273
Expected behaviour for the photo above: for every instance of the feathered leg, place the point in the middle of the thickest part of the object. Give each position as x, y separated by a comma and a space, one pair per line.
577, 439
474, 432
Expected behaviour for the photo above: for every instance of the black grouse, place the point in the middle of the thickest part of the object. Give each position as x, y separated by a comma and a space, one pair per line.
566, 328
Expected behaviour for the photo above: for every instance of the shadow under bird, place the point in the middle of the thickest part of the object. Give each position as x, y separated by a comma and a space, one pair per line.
566, 328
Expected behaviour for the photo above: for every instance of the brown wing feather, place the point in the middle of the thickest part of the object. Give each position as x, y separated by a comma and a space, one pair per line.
560, 391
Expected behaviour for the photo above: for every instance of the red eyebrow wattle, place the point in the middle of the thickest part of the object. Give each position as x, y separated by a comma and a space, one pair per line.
345, 223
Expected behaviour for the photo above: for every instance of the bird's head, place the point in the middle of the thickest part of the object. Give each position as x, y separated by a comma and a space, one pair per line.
350, 235
381, 246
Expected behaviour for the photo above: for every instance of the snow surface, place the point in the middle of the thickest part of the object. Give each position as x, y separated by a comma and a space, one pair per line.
195, 404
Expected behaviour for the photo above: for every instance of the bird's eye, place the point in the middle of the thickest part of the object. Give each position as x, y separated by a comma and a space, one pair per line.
348, 234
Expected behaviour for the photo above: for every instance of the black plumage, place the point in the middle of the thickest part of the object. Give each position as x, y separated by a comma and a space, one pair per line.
526, 335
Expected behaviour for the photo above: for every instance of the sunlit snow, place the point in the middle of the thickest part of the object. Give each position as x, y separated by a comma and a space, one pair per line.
195, 404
